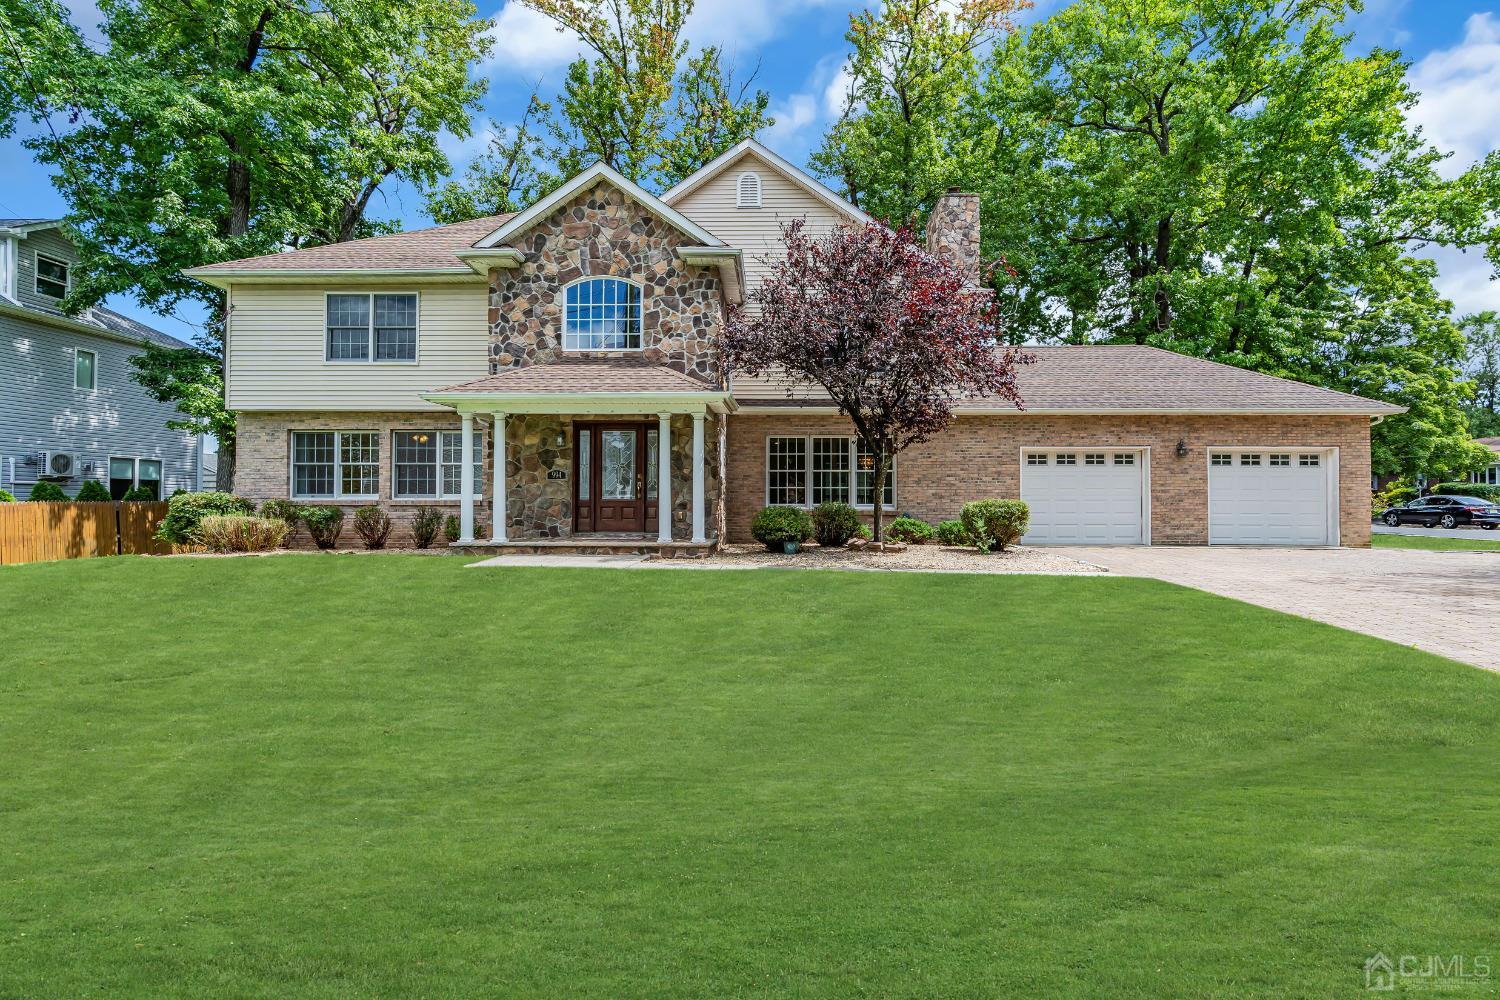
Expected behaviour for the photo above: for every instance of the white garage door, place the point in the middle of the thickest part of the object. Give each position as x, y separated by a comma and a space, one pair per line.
1268, 498
1084, 497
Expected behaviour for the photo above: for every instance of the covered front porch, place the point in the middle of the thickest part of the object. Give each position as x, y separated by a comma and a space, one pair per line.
635, 469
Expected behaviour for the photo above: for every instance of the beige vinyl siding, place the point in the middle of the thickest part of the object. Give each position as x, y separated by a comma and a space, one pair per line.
755, 230
277, 349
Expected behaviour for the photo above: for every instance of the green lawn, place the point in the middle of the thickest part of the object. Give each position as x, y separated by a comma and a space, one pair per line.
357, 777
1489, 541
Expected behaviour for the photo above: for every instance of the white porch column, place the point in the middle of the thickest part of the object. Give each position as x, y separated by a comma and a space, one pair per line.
466, 482
498, 513
698, 535
664, 478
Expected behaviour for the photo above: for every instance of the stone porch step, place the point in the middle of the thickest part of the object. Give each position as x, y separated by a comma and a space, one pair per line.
592, 545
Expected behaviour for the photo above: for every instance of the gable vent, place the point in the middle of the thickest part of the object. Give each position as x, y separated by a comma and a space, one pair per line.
748, 190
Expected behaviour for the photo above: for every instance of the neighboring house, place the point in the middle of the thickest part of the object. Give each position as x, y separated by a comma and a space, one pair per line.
69, 410
1490, 475
587, 328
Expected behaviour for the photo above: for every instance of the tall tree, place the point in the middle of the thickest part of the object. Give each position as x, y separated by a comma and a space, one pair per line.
617, 106
1482, 368
898, 143
507, 176
894, 335
206, 132
1222, 177
36, 38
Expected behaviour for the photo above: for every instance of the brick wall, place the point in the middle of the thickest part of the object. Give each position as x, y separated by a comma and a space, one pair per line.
979, 457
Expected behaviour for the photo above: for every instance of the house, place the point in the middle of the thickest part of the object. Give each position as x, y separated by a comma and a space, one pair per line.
69, 411
1490, 474
554, 377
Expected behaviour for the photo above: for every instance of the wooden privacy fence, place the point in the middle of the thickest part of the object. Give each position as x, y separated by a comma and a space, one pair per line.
35, 531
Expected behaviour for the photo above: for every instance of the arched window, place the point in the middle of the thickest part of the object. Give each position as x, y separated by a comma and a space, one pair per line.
749, 190
602, 314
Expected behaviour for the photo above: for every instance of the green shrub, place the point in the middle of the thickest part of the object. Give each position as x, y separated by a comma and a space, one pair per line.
953, 533
995, 524
1396, 492
185, 510
426, 522
6, 496
287, 512
372, 525
46, 492
451, 528
775, 526
865, 532
324, 523
92, 491
912, 530
241, 533
1481, 490
834, 523
141, 494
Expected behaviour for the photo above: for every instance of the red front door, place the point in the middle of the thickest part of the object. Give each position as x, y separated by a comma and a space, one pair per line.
610, 487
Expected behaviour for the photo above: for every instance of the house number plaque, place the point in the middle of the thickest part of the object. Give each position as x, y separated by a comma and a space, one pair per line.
557, 473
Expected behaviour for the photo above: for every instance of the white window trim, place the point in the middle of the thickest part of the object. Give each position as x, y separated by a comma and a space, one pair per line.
1487, 476
1329, 466
807, 472
562, 305
739, 190
1142, 467
440, 495
36, 274
94, 370
370, 361
338, 462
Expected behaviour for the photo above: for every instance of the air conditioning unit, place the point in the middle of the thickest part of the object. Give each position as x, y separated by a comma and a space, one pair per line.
58, 465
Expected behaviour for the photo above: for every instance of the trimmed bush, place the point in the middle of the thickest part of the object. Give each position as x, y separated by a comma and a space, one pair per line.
912, 530
324, 523
6, 496
286, 511
46, 492
834, 523
953, 533
92, 491
141, 494
451, 528
185, 510
241, 533
775, 526
1396, 492
1482, 490
995, 524
372, 525
426, 522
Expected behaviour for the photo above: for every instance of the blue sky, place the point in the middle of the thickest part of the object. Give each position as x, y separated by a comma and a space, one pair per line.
796, 48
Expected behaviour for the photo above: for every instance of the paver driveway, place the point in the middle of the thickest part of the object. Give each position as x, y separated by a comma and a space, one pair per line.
1444, 602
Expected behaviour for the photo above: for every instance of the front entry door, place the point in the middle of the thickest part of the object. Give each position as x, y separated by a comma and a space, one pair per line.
612, 492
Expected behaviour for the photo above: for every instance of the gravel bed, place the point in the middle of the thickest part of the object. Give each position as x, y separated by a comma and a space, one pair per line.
916, 559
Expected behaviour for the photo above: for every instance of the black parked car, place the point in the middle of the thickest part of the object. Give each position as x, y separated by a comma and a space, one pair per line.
1446, 510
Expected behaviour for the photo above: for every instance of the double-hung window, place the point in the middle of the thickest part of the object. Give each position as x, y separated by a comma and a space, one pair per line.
428, 465
51, 277
807, 471
372, 326
602, 314
335, 465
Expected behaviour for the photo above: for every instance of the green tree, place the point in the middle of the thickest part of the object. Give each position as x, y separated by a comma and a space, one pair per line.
901, 138
211, 132
35, 38
1220, 177
506, 177
1482, 334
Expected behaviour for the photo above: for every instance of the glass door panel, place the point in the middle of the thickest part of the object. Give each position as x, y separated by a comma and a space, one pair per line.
617, 453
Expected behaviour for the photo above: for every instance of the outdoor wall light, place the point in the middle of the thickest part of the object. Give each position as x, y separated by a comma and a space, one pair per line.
1182, 448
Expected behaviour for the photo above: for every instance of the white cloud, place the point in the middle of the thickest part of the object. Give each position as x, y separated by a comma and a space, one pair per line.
530, 41
1457, 110
797, 113
1464, 278
741, 25
836, 94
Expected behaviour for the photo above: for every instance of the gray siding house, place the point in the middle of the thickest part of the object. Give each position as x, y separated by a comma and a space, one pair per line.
69, 411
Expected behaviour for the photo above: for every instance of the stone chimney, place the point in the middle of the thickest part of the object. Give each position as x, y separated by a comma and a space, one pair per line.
953, 231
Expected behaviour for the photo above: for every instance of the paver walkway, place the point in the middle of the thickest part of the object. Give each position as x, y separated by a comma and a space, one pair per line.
1444, 602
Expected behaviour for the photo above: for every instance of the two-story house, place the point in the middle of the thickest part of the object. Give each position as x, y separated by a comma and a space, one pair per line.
556, 377
69, 410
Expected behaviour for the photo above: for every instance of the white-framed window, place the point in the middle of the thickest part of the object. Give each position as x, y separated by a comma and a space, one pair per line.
1280, 460
85, 369
126, 474
1124, 458
1309, 461
372, 326
335, 465
1036, 458
1221, 458
602, 314
1067, 459
1249, 458
51, 276
428, 465
1486, 477
747, 190
807, 471
1093, 458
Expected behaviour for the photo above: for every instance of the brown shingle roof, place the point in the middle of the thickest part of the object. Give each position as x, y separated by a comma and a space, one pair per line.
1493, 444
567, 376
1127, 378
417, 250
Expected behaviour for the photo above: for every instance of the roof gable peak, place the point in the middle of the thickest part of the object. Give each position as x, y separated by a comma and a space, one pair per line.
776, 162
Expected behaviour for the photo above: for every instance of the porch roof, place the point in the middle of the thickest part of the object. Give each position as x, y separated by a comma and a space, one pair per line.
585, 385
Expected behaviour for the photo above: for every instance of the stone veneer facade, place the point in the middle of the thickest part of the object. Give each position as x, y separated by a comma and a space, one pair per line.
978, 457
953, 231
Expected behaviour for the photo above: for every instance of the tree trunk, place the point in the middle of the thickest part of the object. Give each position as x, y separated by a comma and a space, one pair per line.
882, 469
224, 477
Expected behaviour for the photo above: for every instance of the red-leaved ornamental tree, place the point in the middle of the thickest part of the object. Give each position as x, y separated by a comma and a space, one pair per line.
893, 334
